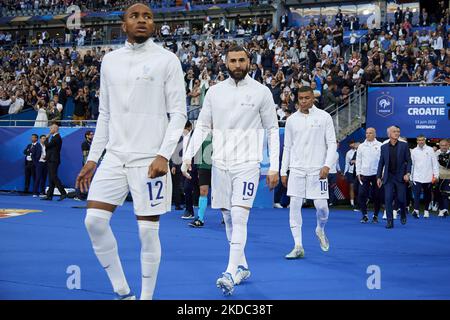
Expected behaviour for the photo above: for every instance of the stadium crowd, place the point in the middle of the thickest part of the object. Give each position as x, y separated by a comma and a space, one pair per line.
314, 55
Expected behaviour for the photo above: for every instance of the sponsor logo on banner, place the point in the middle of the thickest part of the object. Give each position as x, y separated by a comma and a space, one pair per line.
9, 213
385, 105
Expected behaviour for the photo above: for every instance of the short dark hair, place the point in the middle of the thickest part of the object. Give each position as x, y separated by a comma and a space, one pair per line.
122, 16
87, 133
305, 89
421, 136
237, 48
35, 135
42, 135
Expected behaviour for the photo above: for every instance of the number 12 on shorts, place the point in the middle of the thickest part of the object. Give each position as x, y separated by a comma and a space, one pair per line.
159, 186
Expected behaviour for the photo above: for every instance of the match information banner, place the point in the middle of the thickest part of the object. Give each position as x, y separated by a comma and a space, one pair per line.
416, 110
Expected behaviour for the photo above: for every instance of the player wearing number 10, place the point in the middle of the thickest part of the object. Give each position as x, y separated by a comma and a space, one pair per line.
238, 110
141, 84
309, 152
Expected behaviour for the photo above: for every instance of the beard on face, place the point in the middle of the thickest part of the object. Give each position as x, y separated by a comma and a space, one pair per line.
238, 75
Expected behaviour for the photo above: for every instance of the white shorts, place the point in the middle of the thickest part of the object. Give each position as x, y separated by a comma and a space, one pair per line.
113, 181
305, 186
235, 187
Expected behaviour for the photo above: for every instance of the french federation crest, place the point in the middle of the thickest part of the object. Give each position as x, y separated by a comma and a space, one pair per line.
385, 106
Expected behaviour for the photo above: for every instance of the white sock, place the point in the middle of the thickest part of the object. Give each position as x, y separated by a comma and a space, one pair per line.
352, 202
105, 247
296, 220
150, 256
229, 230
228, 225
239, 217
322, 212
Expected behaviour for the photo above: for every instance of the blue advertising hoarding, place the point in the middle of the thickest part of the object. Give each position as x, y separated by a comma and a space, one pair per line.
416, 110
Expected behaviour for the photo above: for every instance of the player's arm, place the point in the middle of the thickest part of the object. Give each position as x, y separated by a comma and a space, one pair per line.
101, 136
330, 140
201, 131
358, 164
380, 168
175, 94
286, 152
408, 165
270, 123
435, 166
175, 97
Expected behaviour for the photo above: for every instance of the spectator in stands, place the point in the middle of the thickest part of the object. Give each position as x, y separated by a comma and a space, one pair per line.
81, 105
41, 118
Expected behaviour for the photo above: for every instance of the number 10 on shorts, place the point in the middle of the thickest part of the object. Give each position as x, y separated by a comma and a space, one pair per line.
323, 185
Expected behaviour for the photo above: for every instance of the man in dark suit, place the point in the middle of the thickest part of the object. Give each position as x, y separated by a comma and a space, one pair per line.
255, 73
41, 169
53, 146
389, 73
395, 160
32, 154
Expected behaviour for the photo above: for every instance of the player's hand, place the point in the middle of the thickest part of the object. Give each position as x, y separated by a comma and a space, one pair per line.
324, 172
406, 177
434, 180
173, 170
379, 183
284, 181
185, 168
85, 176
158, 167
272, 179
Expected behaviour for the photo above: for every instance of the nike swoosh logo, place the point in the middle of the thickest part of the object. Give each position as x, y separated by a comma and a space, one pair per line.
145, 277
107, 266
246, 198
156, 204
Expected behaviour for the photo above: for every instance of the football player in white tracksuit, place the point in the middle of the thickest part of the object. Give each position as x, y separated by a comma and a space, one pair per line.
308, 154
140, 85
424, 173
238, 110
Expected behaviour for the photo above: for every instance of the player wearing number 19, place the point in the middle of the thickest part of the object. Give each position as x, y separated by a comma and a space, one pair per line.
238, 110
309, 152
140, 85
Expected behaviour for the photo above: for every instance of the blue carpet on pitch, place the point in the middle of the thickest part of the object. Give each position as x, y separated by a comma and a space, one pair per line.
37, 249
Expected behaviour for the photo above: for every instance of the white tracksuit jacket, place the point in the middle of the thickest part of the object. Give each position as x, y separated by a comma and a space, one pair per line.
141, 88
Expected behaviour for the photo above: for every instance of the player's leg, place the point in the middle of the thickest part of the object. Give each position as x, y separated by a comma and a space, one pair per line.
401, 198
426, 198
150, 254
151, 198
416, 187
317, 189
296, 190
376, 199
109, 189
104, 243
244, 187
239, 219
296, 222
204, 177
363, 196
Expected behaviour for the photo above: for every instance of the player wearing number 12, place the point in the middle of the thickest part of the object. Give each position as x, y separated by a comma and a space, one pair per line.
140, 85
308, 154
238, 110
